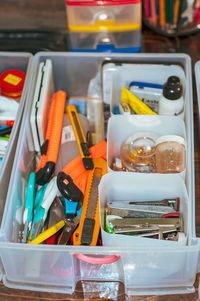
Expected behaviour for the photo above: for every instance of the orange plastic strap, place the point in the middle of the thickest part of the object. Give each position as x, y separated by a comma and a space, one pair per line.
76, 169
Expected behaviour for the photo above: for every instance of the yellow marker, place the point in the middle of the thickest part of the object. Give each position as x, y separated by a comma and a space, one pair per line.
135, 103
48, 233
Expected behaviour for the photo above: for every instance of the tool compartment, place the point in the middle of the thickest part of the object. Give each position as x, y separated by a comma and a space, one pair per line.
143, 268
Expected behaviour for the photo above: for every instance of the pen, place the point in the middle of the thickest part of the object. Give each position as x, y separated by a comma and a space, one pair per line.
7, 122
48, 233
162, 13
153, 12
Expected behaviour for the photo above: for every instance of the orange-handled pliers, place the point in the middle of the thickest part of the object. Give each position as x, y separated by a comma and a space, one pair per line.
51, 144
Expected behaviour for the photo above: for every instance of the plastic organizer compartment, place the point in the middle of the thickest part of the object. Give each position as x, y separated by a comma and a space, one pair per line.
120, 127
152, 270
118, 41
103, 15
114, 78
21, 61
154, 187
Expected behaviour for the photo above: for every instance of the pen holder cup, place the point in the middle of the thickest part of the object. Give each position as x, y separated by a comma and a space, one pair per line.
172, 17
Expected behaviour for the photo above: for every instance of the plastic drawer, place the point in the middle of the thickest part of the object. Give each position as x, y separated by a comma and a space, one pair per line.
104, 15
153, 270
121, 41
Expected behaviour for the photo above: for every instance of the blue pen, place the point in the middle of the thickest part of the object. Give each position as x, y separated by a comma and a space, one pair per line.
29, 204
142, 85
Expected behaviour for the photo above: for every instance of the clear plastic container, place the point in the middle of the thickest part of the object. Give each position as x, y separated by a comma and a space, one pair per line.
111, 15
172, 18
152, 270
113, 26
122, 128
111, 41
170, 154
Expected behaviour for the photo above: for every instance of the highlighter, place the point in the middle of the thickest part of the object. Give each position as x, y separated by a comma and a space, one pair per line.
135, 103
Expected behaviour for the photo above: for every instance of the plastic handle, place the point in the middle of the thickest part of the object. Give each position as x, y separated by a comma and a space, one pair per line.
97, 260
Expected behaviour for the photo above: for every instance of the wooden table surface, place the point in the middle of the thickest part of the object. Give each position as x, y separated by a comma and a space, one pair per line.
50, 15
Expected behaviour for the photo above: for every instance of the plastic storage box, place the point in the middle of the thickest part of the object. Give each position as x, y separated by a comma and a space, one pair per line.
173, 17
21, 61
104, 25
153, 270
197, 77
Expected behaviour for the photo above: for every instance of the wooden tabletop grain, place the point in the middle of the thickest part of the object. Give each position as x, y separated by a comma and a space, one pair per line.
50, 15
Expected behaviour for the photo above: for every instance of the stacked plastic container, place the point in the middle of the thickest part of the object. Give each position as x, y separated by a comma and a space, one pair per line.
107, 25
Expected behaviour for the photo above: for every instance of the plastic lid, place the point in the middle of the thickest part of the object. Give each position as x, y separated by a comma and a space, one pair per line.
101, 2
173, 89
170, 138
12, 81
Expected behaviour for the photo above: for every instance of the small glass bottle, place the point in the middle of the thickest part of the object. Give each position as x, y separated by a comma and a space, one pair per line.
170, 154
138, 154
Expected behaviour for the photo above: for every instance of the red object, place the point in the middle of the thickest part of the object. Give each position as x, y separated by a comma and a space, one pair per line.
171, 215
11, 83
10, 122
101, 2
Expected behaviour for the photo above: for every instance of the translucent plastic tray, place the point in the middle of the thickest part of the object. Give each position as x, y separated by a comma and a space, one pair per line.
152, 270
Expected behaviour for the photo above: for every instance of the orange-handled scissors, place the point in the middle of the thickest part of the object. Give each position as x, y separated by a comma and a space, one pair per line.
51, 144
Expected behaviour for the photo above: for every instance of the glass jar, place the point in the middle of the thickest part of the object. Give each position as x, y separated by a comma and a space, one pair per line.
173, 17
137, 153
170, 154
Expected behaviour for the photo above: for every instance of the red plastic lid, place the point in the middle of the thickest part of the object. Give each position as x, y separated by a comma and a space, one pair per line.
12, 82
101, 2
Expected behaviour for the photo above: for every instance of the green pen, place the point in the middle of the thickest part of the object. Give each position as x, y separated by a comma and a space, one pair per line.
4, 138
